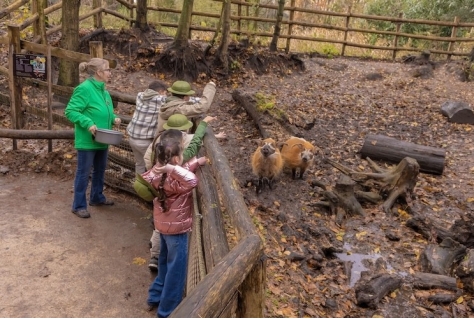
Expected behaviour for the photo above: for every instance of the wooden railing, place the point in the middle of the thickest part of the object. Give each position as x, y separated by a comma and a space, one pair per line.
343, 33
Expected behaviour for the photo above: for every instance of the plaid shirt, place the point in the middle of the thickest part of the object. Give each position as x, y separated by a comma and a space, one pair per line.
145, 118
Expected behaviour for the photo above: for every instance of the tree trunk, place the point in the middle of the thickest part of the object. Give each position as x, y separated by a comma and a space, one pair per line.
182, 33
378, 147
68, 70
223, 50
141, 22
277, 31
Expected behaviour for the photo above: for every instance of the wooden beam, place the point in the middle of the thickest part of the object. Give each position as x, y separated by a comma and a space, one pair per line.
14, 82
37, 134
62, 53
12, 7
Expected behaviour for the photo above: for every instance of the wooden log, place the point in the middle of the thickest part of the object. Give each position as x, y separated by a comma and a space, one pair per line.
432, 281
213, 230
249, 104
220, 284
439, 259
379, 147
443, 298
458, 112
250, 305
37, 134
369, 294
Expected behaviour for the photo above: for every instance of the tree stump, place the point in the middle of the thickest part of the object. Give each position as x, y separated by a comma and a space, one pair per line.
440, 259
379, 147
458, 112
397, 182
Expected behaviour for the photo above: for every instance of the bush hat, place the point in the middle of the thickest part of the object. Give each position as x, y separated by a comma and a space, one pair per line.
181, 88
178, 122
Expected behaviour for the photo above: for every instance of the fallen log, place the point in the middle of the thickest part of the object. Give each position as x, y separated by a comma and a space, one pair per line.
369, 294
38, 134
458, 112
432, 281
439, 259
443, 298
461, 231
248, 103
379, 147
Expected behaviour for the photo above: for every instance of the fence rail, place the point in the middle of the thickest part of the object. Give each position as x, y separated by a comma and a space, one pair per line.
456, 44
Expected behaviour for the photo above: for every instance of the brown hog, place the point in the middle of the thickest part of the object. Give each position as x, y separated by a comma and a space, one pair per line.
267, 163
298, 155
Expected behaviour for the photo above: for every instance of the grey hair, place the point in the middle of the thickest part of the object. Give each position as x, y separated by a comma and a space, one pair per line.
91, 67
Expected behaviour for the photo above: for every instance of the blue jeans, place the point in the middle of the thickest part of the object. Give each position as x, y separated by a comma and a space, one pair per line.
95, 160
167, 289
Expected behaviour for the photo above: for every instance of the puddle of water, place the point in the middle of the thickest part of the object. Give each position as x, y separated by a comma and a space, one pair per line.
357, 265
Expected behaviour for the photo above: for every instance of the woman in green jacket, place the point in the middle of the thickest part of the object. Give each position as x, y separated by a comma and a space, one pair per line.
90, 108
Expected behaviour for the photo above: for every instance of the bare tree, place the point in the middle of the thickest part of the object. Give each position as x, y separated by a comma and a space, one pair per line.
141, 21
223, 50
68, 70
276, 32
184, 60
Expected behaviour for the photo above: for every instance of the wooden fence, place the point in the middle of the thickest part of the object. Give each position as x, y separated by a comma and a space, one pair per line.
344, 32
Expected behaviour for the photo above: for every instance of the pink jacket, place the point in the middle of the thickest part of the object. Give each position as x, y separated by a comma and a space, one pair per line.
178, 188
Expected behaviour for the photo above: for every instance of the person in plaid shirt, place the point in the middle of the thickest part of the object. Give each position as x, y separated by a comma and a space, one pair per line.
142, 127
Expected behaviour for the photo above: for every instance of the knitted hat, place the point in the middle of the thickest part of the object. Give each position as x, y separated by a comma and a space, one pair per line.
178, 122
181, 88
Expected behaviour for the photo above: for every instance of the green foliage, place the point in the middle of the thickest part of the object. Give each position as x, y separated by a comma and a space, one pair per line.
264, 102
330, 50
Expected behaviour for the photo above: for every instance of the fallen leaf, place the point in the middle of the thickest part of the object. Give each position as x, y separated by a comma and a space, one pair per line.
139, 261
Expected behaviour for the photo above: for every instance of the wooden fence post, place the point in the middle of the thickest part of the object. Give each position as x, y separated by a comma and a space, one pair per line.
290, 26
395, 40
346, 31
97, 17
34, 9
239, 21
96, 49
131, 14
453, 36
14, 83
252, 292
49, 61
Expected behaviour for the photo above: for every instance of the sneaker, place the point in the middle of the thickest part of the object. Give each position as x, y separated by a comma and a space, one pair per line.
106, 203
82, 213
153, 265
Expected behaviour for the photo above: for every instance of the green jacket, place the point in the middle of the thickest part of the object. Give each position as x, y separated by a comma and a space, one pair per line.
90, 104
145, 190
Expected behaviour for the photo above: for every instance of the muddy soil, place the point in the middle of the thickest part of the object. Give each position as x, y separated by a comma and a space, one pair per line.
333, 103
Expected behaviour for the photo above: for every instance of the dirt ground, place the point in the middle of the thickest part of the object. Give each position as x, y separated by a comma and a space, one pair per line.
57, 265
334, 103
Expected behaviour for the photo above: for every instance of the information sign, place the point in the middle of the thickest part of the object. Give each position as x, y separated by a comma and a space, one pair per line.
30, 66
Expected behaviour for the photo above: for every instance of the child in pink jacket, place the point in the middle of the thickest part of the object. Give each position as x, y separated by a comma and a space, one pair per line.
173, 218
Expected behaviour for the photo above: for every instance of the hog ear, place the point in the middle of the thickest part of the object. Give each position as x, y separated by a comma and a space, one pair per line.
280, 145
300, 146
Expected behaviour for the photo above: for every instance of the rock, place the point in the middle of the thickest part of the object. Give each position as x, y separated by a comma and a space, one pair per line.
4, 169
